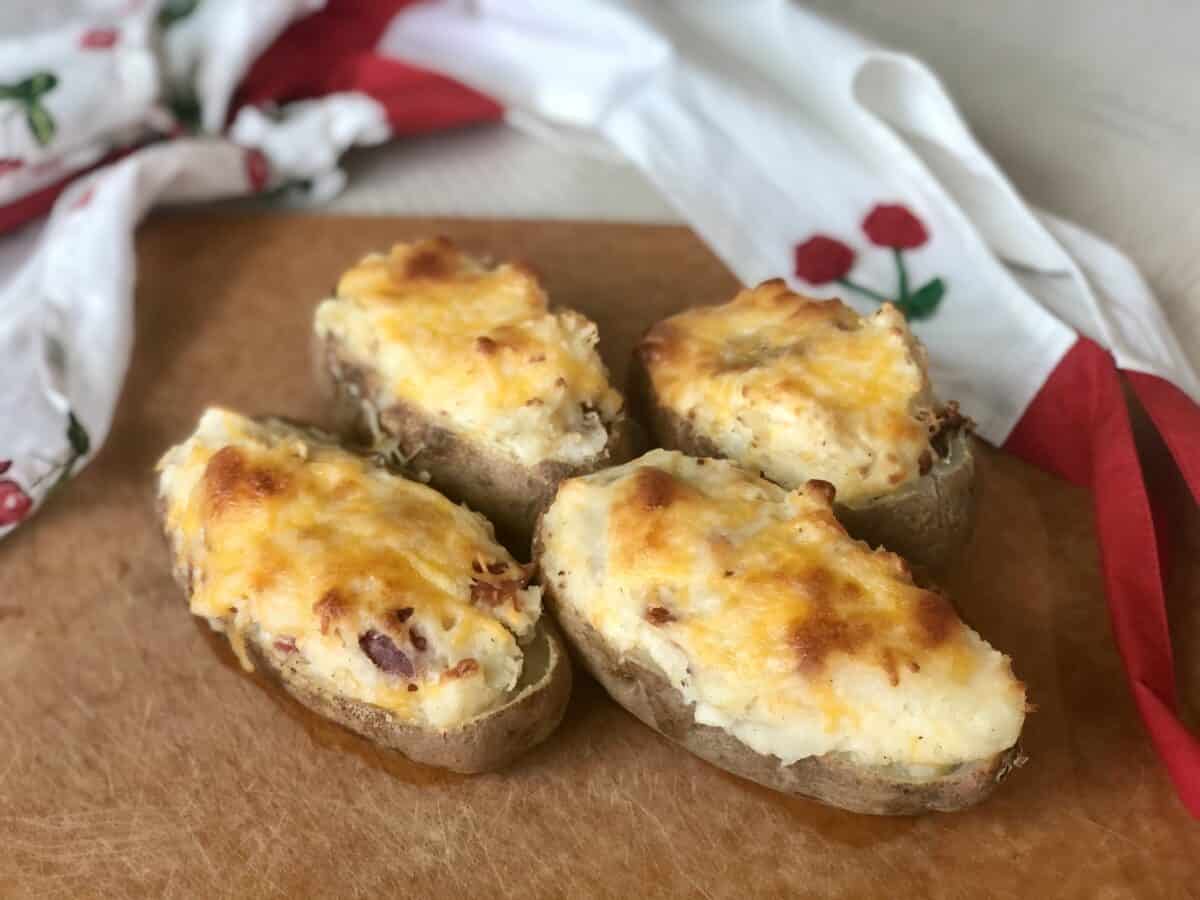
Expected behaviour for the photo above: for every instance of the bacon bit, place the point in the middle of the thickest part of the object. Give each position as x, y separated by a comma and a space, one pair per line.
729, 573
285, 645
331, 606
403, 614
560, 382
925, 461
462, 669
417, 639
486, 346
411, 687
914, 666
490, 594
382, 651
659, 615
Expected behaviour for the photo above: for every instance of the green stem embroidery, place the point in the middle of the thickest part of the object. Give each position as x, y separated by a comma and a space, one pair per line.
903, 272
865, 291
80, 442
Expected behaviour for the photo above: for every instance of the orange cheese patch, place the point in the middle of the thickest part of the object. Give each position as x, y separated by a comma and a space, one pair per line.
798, 388
478, 346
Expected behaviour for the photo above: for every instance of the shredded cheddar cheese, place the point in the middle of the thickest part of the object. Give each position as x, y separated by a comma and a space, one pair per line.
477, 348
799, 388
778, 626
380, 587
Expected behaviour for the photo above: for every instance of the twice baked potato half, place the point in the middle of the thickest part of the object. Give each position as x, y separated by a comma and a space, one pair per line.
803, 389
375, 601
463, 376
741, 621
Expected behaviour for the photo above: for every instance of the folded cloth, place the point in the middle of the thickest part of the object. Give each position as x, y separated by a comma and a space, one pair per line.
791, 146
123, 104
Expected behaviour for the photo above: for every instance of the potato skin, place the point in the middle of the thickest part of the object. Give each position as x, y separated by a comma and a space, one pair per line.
927, 521
485, 743
642, 688
509, 494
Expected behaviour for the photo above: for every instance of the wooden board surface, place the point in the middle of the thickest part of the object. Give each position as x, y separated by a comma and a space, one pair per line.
137, 760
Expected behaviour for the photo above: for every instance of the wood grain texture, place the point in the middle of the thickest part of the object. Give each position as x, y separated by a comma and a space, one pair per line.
136, 760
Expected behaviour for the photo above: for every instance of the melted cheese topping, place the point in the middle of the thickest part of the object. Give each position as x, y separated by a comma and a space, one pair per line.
477, 348
799, 388
780, 628
381, 588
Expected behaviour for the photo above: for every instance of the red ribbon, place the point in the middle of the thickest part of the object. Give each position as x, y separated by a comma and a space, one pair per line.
1078, 426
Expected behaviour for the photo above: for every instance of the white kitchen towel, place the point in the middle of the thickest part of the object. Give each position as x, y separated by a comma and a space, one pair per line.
767, 127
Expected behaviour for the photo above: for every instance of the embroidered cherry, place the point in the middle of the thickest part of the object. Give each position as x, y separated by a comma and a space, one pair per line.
822, 259
257, 169
892, 225
15, 504
98, 38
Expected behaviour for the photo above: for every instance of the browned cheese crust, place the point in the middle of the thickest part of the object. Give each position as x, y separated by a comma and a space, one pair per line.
641, 687
482, 744
927, 521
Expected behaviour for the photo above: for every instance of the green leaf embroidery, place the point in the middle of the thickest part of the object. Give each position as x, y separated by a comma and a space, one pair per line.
41, 123
41, 83
29, 93
923, 303
77, 435
176, 10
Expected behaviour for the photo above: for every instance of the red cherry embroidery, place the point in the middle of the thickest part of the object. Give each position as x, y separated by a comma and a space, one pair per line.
15, 504
892, 225
821, 259
98, 38
257, 169
85, 198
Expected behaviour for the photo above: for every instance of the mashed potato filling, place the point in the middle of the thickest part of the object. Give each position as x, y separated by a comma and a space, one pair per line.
799, 388
780, 628
478, 349
380, 588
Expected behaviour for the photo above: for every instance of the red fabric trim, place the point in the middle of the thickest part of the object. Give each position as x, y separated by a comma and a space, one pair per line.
1178, 421
25, 209
330, 51
1078, 426
309, 56
334, 50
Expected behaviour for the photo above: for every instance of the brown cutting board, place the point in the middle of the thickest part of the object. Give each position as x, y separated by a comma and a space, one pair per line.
137, 760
